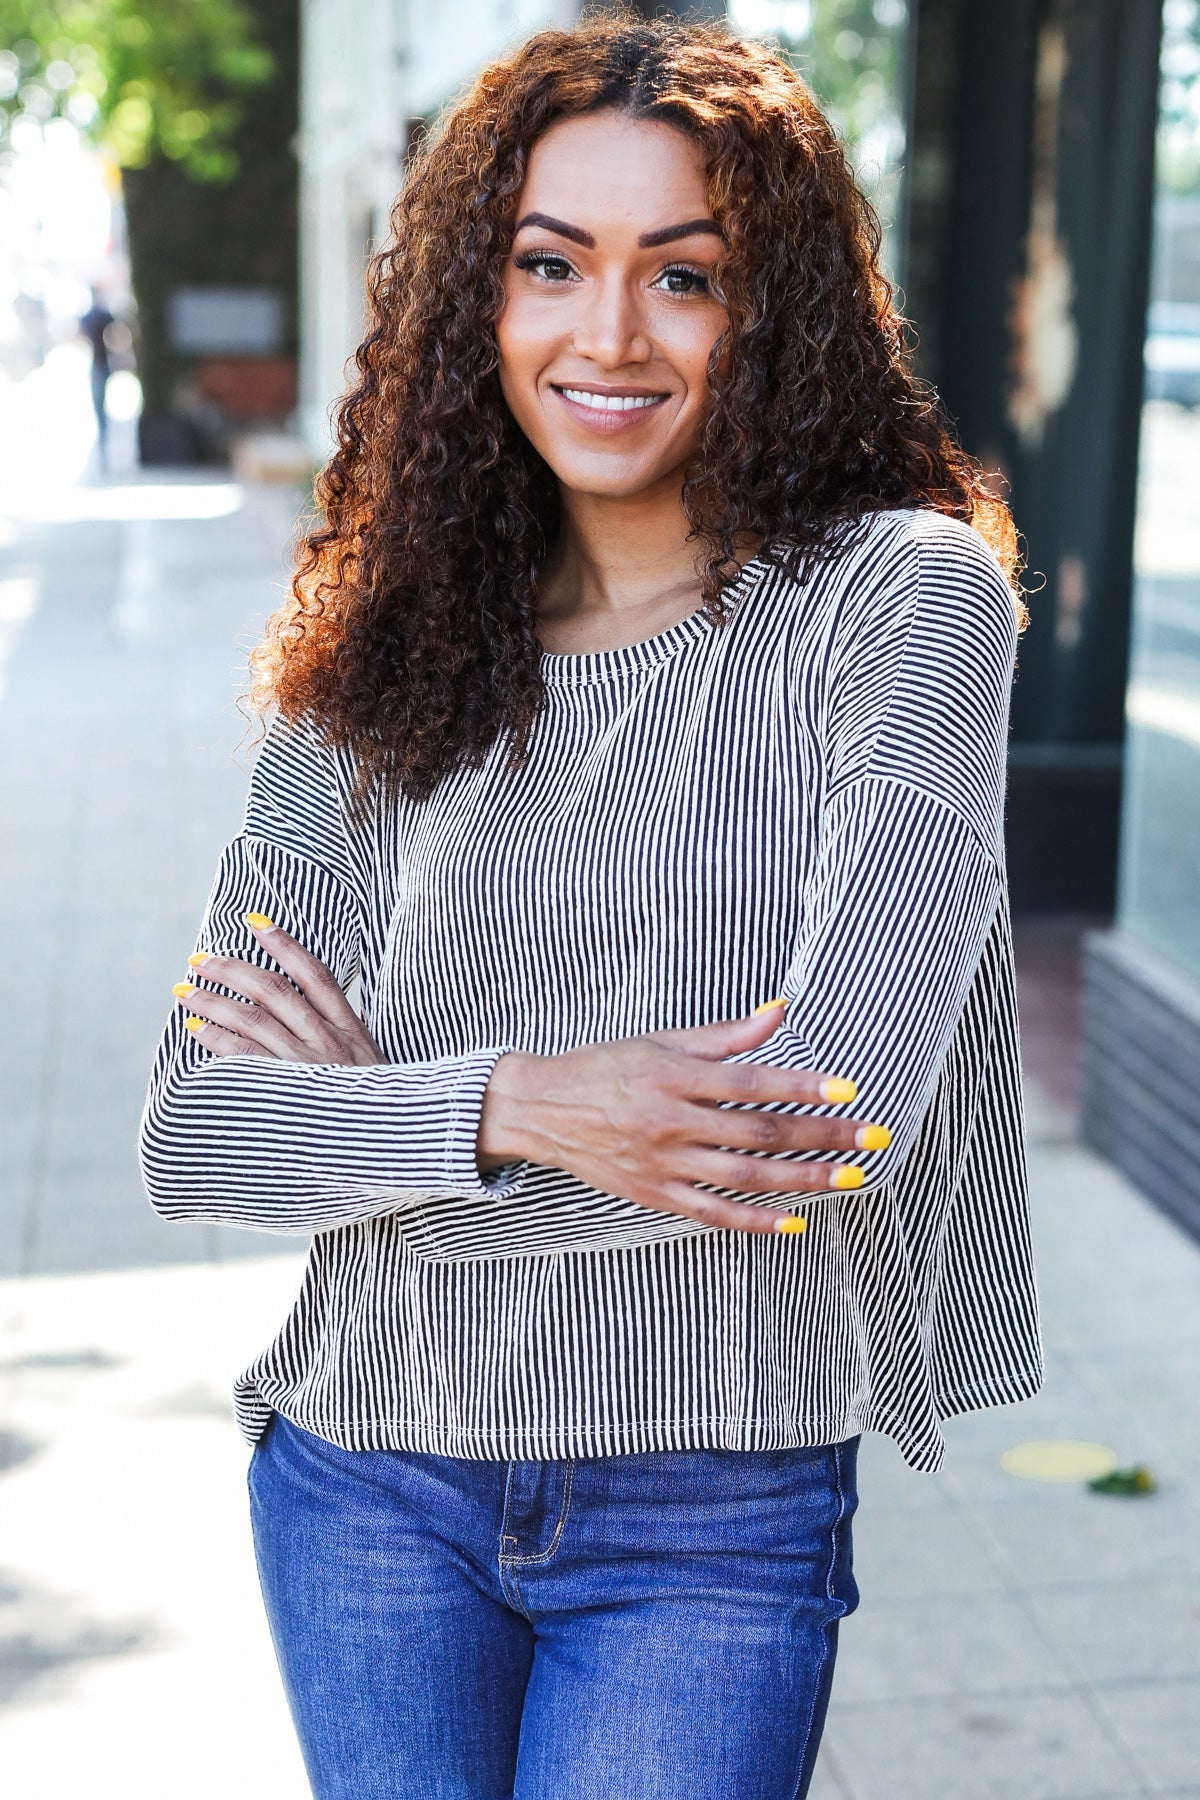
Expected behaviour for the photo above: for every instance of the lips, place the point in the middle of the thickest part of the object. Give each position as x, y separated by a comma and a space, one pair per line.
609, 412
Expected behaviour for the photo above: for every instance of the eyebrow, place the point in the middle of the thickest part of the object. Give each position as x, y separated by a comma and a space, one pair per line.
649, 240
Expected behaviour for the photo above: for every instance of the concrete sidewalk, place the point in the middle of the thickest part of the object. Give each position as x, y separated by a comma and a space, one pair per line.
1018, 1640
1015, 1641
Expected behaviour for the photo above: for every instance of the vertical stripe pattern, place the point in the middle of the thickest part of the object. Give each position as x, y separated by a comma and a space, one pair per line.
806, 800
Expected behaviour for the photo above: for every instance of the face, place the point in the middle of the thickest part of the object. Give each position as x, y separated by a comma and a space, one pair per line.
609, 316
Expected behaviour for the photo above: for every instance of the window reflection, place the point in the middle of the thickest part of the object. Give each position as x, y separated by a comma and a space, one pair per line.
1160, 877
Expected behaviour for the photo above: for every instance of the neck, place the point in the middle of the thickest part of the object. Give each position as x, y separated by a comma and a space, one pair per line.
618, 559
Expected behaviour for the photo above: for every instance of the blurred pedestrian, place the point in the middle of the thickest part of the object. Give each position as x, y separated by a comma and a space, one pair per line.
95, 326
651, 661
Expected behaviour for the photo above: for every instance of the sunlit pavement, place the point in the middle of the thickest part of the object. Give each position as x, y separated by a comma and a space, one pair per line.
134, 1658
1015, 1642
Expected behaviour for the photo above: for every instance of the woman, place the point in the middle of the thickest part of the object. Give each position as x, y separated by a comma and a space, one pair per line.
639, 747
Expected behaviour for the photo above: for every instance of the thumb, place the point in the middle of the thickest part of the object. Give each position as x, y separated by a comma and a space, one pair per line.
726, 1036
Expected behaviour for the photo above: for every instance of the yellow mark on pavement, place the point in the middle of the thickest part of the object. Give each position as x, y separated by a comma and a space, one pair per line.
1058, 1459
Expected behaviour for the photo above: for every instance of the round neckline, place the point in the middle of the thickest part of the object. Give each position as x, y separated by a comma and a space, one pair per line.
572, 667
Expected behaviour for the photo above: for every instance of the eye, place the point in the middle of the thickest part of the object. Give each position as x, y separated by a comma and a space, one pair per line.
545, 264
681, 278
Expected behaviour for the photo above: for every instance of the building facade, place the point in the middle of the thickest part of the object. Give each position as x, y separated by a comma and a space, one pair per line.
1141, 1037
372, 71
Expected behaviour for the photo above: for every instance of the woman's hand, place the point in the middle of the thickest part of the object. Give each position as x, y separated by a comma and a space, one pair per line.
305, 1019
642, 1117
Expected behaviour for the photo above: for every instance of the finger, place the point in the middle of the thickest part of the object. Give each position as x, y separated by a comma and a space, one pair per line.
245, 1020
767, 1175
266, 989
310, 975
776, 1134
727, 1215
725, 1037
758, 1084
219, 1041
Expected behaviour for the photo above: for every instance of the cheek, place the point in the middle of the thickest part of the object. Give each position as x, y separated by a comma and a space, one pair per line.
523, 353
690, 344
507, 344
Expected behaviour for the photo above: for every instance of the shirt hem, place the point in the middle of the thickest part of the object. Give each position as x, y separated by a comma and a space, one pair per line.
923, 1449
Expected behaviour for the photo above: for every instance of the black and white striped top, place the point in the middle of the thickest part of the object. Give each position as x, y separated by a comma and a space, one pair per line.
806, 800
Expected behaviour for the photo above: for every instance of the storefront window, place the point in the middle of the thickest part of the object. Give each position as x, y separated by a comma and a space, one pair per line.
1160, 839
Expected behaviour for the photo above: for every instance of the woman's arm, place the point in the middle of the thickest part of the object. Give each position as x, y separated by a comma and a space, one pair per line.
271, 1108
640, 1116
906, 896
262, 1140
910, 866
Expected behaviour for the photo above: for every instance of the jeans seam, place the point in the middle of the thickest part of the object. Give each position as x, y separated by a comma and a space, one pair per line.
510, 1586
544, 1556
508, 1564
829, 1594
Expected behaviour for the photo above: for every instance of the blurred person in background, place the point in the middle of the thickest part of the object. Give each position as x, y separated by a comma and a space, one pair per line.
96, 325
637, 744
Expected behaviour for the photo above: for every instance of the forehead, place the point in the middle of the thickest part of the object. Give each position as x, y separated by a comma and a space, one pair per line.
608, 172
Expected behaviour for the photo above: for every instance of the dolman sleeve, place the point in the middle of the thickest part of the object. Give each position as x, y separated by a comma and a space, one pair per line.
909, 866
298, 1147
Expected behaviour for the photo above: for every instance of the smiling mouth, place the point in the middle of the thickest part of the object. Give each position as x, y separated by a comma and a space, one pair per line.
593, 410
611, 402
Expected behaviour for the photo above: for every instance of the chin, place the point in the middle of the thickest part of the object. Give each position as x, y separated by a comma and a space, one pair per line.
618, 480
612, 488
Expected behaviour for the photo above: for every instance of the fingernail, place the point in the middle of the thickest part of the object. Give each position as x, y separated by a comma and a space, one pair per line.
259, 922
873, 1137
851, 1176
768, 1004
837, 1091
195, 1024
200, 956
791, 1227
182, 989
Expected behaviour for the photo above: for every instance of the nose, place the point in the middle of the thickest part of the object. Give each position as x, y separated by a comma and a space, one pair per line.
611, 329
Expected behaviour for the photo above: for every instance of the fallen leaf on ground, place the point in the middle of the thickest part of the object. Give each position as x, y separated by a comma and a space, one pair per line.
1126, 1482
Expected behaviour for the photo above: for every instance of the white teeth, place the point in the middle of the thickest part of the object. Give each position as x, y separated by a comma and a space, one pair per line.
611, 402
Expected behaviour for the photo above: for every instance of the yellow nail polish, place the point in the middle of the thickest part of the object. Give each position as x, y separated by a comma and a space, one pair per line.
791, 1227
182, 989
768, 1004
874, 1137
198, 957
849, 1177
837, 1091
195, 1024
259, 922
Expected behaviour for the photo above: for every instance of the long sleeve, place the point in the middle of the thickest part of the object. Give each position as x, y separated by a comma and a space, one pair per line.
295, 1147
908, 868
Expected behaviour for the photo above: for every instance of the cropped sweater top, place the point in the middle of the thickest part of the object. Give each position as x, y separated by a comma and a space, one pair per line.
805, 800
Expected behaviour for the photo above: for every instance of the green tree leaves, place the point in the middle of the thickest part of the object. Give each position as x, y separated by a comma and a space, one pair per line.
143, 77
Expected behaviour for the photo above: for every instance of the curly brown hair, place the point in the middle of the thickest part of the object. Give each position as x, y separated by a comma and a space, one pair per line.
410, 635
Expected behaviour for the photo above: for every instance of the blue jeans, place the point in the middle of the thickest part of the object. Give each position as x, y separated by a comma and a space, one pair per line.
645, 1627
